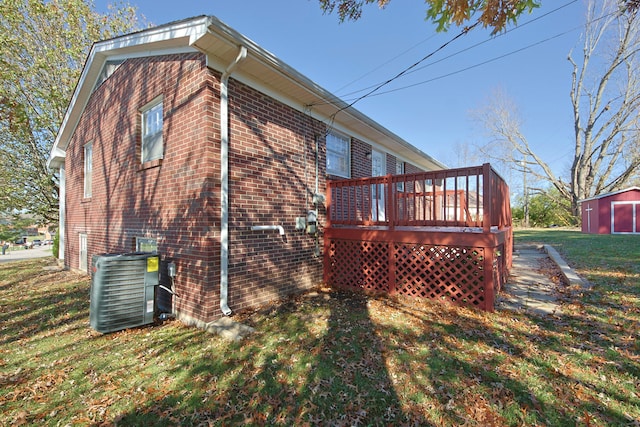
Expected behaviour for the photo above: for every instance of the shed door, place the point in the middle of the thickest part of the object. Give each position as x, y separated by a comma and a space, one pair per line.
624, 217
377, 191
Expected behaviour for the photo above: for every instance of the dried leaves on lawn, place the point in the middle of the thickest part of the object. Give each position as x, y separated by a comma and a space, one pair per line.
327, 357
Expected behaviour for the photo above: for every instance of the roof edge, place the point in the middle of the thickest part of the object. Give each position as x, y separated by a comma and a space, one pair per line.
173, 37
613, 193
221, 28
183, 36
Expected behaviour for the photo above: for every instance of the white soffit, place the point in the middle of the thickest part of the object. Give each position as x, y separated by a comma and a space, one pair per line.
264, 71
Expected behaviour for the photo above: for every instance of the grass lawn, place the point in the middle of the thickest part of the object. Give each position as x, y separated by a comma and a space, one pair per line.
333, 358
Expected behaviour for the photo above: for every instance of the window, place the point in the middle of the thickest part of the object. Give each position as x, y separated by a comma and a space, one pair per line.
400, 171
88, 169
430, 183
338, 155
84, 253
152, 145
144, 244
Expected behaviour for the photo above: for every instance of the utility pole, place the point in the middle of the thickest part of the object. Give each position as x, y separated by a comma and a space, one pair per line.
525, 191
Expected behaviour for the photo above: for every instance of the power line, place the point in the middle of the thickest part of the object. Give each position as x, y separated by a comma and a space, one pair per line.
513, 52
463, 50
506, 32
475, 65
400, 74
382, 65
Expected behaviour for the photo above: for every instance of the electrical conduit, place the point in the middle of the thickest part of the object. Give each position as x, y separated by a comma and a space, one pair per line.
224, 178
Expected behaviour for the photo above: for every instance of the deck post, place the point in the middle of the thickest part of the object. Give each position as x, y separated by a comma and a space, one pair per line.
327, 205
487, 197
392, 268
326, 260
489, 279
390, 202
326, 241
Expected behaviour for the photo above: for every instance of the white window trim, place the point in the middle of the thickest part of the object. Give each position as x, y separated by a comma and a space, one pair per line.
83, 256
88, 170
158, 101
141, 241
400, 168
337, 172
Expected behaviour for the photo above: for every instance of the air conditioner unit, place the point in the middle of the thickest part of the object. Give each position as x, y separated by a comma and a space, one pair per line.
123, 290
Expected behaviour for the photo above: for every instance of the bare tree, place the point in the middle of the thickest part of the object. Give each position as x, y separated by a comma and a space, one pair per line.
606, 107
605, 98
509, 151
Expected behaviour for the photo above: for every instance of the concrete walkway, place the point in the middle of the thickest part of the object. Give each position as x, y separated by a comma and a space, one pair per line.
528, 288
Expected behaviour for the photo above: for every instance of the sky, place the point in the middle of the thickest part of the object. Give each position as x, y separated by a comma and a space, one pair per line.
430, 107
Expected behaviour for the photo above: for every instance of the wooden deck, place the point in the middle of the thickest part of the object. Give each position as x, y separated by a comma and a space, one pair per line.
443, 235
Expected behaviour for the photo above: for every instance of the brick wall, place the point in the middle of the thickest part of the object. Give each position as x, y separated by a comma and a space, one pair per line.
174, 201
409, 168
391, 164
272, 159
360, 164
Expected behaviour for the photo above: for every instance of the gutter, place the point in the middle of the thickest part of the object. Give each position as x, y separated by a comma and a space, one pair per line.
224, 179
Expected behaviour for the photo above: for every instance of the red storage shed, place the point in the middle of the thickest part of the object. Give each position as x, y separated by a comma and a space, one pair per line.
612, 213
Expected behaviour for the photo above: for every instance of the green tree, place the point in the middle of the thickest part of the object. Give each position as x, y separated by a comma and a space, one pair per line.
493, 14
545, 210
11, 229
44, 45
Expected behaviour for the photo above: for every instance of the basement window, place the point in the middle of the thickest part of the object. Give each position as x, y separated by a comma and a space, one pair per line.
144, 244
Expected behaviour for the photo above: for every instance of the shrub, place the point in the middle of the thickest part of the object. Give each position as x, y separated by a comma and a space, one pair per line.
56, 244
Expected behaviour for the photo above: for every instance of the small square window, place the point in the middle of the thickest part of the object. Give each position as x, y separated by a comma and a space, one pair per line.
144, 244
152, 143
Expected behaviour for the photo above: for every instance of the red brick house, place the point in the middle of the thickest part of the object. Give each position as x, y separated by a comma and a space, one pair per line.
192, 140
612, 213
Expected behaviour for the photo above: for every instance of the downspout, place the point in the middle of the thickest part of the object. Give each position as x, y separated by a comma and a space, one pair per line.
62, 214
317, 138
316, 250
224, 179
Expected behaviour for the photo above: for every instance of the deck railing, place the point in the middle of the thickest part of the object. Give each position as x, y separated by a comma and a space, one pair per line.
444, 235
465, 197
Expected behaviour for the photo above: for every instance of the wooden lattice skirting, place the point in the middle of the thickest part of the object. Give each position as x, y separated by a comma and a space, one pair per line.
463, 274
